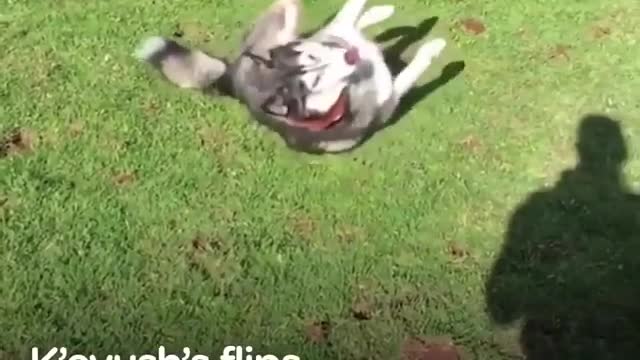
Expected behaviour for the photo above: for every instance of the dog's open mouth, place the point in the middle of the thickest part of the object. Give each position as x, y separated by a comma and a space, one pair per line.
290, 103
332, 117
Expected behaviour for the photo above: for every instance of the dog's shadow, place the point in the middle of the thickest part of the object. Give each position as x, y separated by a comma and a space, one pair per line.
405, 37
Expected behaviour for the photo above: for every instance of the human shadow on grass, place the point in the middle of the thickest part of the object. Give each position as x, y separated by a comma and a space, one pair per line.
570, 265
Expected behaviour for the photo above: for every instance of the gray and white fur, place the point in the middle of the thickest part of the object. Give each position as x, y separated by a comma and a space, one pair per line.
274, 57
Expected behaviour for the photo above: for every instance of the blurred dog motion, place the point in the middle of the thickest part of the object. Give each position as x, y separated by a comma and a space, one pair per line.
324, 93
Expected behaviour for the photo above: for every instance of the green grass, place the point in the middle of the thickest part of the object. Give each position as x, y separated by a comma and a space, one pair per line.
145, 215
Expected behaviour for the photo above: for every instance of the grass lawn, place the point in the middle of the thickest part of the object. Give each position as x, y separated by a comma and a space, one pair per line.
134, 214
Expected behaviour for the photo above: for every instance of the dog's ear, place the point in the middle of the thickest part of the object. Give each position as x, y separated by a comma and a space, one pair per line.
277, 26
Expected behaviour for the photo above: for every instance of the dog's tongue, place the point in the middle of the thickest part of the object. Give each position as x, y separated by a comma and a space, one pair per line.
323, 122
337, 111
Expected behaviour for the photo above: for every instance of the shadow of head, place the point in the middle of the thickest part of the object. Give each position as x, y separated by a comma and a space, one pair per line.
600, 143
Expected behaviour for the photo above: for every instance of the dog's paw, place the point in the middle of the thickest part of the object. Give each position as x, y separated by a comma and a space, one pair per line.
432, 48
374, 15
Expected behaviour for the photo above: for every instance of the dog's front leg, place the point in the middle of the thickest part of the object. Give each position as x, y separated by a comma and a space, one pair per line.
418, 65
349, 14
375, 15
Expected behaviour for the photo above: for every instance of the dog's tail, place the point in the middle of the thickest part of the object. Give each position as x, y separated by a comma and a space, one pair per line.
186, 68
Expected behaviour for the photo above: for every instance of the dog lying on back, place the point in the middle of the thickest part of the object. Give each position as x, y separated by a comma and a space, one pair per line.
324, 93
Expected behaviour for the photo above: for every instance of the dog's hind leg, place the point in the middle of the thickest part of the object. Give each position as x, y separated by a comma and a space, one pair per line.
375, 15
418, 65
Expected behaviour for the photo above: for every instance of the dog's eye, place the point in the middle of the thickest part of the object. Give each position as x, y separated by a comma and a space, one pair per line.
331, 44
316, 81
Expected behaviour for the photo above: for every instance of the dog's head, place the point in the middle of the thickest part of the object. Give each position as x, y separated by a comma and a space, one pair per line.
310, 75
314, 75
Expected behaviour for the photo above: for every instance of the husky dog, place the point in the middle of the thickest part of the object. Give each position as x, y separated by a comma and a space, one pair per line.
325, 93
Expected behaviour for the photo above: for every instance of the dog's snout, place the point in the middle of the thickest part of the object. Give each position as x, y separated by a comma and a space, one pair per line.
352, 56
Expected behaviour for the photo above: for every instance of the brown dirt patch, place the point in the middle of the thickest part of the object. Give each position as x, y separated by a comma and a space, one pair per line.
472, 144
151, 106
213, 258
457, 251
430, 349
364, 305
473, 26
560, 52
349, 234
199, 244
302, 225
599, 32
76, 129
318, 332
368, 297
202, 244
18, 142
363, 309
124, 178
